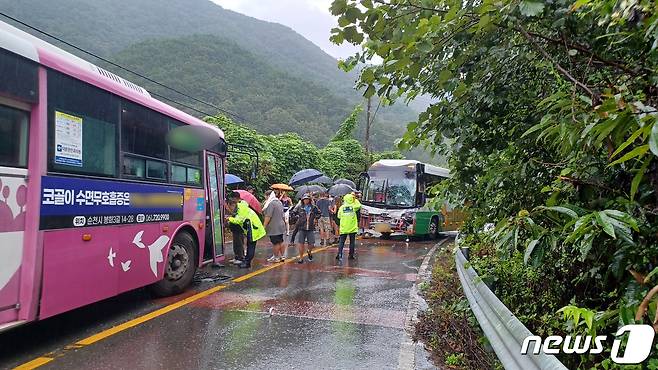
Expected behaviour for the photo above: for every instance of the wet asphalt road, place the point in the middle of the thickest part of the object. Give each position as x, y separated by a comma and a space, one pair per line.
323, 315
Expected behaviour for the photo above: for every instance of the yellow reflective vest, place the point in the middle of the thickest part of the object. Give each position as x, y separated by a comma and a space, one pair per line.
254, 227
349, 222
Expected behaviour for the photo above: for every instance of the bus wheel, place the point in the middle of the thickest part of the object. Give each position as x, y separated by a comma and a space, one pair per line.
386, 236
181, 266
433, 229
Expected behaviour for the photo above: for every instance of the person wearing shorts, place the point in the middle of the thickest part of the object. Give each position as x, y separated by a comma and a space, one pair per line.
308, 214
287, 204
335, 221
274, 225
324, 223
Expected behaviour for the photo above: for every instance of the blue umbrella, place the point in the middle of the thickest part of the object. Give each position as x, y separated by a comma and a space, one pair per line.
232, 179
304, 176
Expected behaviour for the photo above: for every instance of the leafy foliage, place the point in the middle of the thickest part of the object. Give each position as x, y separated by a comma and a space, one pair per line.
547, 111
280, 156
447, 327
346, 130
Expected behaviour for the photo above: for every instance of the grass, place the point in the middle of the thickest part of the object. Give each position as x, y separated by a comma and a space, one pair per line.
448, 328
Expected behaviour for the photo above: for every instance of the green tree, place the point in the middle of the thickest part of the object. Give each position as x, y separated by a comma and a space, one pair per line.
333, 162
346, 129
280, 156
355, 154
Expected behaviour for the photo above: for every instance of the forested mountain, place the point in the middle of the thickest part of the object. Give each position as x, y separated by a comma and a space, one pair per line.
265, 72
221, 72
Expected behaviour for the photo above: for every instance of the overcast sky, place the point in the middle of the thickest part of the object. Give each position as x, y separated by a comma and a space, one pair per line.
310, 18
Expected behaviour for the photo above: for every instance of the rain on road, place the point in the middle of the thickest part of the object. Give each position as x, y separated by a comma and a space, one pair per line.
315, 315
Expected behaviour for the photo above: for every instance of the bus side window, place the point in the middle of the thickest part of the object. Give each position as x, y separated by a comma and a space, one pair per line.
13, 137
83, 127
143, 131
18, 77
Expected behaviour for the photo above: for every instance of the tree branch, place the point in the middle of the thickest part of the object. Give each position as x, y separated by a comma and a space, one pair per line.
612, 63
594, 96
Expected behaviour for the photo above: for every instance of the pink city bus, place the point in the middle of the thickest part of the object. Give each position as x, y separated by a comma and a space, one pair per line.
93, 201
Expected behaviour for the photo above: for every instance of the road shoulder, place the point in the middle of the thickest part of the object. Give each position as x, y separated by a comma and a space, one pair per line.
413, 355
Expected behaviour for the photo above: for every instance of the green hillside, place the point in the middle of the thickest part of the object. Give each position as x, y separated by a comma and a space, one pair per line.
263, 71
108, 26
224, 74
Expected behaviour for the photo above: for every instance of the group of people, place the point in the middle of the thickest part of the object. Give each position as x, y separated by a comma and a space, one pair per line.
336, 218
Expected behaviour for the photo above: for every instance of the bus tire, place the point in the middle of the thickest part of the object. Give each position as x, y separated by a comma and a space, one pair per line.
180, 268
433, 231
386, 236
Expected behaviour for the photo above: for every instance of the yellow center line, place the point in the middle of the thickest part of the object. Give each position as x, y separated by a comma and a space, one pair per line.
149, 316
37, 362
268, 268
42, 360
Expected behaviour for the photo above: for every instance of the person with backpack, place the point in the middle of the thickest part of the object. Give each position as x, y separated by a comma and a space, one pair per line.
349, 224
248, 220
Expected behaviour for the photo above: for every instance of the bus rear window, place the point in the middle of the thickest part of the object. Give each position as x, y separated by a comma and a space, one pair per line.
13, 137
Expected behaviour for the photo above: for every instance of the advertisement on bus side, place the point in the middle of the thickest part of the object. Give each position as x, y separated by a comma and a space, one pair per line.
68, 202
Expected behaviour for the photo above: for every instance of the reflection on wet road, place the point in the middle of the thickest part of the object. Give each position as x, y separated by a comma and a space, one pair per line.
313, 315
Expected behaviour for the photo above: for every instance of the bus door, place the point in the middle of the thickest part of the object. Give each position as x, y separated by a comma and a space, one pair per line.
215, 210
14, 124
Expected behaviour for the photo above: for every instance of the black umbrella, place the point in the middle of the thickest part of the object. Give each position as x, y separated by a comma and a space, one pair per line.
301, 190
346, 182
339, 190
323, 180
304, 176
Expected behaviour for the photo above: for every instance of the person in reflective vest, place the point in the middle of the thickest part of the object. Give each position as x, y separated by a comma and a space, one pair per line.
349, 224
250, 223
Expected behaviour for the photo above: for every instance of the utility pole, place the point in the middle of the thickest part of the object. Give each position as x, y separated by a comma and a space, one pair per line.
367, 141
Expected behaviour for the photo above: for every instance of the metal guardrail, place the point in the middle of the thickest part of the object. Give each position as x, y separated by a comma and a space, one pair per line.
504, 331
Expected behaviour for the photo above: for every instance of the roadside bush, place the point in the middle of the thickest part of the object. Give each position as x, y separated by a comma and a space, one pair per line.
448, 328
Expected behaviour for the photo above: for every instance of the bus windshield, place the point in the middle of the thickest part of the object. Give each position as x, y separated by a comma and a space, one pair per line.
395, 187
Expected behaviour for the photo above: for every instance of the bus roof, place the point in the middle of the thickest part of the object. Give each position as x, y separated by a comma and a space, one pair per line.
430, 169
39, 51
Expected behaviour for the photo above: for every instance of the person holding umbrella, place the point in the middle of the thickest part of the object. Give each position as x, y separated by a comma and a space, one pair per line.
283, 190
349, 224
248, 220
335, 221
287, 204
307, 214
